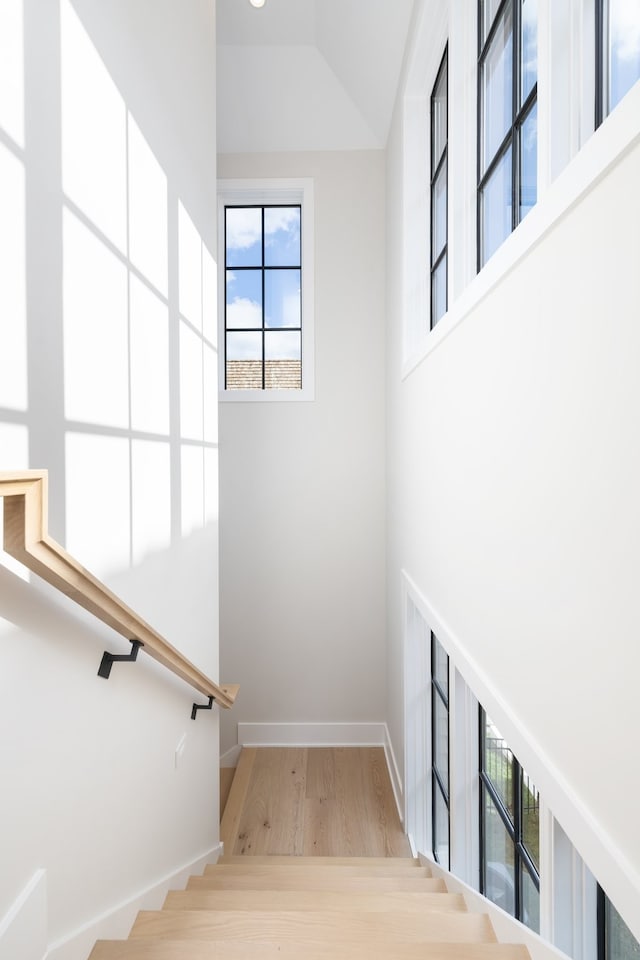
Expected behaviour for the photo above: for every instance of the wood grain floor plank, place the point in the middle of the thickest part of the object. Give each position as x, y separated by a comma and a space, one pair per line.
229, 824
272, 818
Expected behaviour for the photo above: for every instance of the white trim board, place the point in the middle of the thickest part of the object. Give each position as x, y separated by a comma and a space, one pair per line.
23, 930
116, 922
507, 929
326, 735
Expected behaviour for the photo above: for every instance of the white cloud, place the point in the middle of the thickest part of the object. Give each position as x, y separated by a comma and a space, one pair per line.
244, 227
281, 218
625, 24
243, 313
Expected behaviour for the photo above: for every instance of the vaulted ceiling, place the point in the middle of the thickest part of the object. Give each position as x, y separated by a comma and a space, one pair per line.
308, 74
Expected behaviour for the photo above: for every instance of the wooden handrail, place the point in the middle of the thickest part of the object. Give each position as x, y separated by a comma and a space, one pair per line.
26, 539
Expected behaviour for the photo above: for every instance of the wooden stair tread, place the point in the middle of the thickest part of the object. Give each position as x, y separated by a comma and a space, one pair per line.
297, 861
324, 925
141, 949
344, 870
316, 880
311, 900
319, 881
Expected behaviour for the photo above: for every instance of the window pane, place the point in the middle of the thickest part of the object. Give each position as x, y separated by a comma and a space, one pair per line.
439, 118
439, 292
624, 48
440, 827
498, 859
439, 214
244, 361
283, 368
244, 236
496, 211
530, 901
244, 299
498, 765
488, 10
529, 47
282, 236
496, 85
529, 162
441, 666
620, 942
531, 819
441, 738
282, 298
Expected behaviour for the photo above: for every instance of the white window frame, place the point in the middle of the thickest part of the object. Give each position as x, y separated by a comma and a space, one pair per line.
258, 192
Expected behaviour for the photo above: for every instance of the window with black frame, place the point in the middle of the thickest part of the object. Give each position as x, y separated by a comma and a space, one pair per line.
509, 829
615, 940
617, 52
507, 118
439, 193
440, 752
263, 302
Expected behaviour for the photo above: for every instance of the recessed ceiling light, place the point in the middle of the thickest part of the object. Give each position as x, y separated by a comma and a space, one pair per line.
257, 3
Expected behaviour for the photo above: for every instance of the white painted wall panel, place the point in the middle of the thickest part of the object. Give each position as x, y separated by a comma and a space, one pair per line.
302, 484
90, 788
513, 504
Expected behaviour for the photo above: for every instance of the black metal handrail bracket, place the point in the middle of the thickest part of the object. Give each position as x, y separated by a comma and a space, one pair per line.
108, 659
201, 706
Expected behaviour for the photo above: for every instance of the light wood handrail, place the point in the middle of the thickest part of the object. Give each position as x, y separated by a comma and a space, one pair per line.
26, 538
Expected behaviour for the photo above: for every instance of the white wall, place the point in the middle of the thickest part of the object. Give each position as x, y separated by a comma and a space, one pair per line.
302, 563
513, 477
107, 319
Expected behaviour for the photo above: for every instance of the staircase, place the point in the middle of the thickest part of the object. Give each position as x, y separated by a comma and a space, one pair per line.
312, 908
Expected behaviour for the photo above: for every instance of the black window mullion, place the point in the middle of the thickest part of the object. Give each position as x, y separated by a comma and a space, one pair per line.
438, 165
516, 86
226, 332
601, 921
263, 317
599, 106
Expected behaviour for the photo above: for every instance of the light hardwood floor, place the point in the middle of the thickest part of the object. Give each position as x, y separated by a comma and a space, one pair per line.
313, 801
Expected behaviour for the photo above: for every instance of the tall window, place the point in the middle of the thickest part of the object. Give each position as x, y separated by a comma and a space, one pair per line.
263, 303
509, 823
615, 940
617, 52
440, 751
507, 115
439, 193
265, 239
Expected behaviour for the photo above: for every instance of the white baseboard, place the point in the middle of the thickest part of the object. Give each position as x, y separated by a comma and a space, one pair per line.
324, 735
116, 922
230, 757
311, 734
394, 774
23, 930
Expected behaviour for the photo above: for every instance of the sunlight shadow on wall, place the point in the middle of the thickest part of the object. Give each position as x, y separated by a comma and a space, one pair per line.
12, 69
14, 436
94, 133
121, 317
98, 501
13, 308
